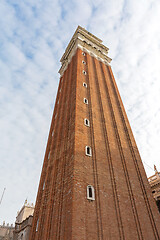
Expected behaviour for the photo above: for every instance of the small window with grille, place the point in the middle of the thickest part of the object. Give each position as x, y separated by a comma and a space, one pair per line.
85, 85
86, 122
90, 193
88, 151
85, 100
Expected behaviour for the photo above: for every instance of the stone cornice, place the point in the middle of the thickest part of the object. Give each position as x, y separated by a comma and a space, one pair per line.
88, 43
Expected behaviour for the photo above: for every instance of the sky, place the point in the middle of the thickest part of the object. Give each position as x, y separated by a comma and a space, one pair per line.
33, 37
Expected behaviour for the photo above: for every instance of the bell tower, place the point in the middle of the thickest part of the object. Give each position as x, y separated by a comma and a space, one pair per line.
93, 185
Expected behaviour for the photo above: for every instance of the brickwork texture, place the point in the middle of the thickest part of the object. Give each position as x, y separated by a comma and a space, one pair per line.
123, 207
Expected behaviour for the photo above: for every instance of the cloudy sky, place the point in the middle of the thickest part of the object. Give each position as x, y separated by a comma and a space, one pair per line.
33, 37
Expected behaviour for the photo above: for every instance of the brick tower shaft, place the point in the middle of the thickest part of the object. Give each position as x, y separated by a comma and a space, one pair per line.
93, 184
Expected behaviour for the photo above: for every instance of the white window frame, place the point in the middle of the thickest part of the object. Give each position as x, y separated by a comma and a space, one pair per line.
93, 193
88, 125
85, 100
85, 85
83, 62
84, 72
83, 54
88, 154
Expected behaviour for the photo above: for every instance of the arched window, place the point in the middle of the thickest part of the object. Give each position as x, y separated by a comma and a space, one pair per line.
88, 151
86, 122
85, 100
85, 85
90, 193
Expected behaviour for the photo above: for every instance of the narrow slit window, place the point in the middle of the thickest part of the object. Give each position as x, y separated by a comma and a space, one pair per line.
88, 151
55, 116
90, 193
37, 225
86, 122
84, 62
84, 72
43, 185
83, 54
52, 133
85, 85
48, 155
85, 100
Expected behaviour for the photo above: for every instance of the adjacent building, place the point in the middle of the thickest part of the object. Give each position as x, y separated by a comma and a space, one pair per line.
154, 182
24, 222
6, 231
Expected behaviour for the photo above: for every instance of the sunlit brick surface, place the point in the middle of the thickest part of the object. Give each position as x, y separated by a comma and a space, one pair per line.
124, 207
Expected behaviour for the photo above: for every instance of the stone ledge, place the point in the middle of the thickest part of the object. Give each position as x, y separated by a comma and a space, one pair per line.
87, 42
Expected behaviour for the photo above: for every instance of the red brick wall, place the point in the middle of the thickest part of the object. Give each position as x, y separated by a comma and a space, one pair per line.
124, 207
